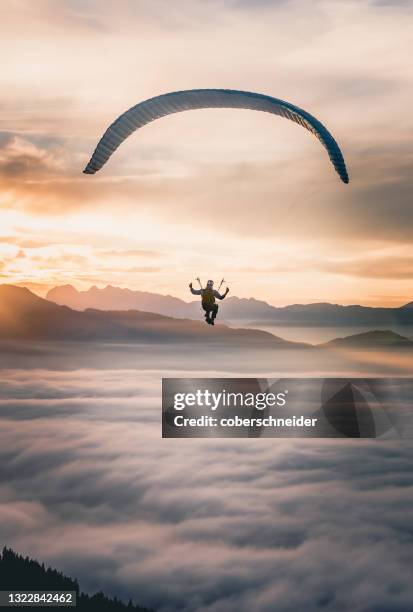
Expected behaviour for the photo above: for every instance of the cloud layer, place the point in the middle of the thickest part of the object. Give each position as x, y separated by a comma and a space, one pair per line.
87, 485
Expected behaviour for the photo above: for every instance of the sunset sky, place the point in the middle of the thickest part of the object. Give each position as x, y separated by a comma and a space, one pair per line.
212, 193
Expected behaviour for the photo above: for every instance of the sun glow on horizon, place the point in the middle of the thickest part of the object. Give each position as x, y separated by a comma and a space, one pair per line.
210, 193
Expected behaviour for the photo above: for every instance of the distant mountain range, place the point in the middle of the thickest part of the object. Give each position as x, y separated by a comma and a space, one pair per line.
233, 309
22, 573
25, 316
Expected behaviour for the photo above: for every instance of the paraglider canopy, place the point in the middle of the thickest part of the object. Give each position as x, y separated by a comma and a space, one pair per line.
179, 101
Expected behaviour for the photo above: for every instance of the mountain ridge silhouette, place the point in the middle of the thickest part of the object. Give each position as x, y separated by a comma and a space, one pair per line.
23, 573
232, 308
25, 316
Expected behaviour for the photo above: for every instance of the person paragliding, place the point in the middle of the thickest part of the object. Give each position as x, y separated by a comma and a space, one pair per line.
208, 296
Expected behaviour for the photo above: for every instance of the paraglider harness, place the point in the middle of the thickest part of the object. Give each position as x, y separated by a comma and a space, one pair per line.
208, 298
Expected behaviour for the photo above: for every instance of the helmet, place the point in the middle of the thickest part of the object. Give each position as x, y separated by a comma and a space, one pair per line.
210, 283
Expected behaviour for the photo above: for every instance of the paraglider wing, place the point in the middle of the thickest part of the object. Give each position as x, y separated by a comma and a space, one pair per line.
178, 101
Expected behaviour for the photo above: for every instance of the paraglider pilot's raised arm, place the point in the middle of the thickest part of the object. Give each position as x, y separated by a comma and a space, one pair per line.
195, 291
219, 296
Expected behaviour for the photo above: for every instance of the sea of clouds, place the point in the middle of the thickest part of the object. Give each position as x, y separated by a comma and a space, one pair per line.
88, 486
